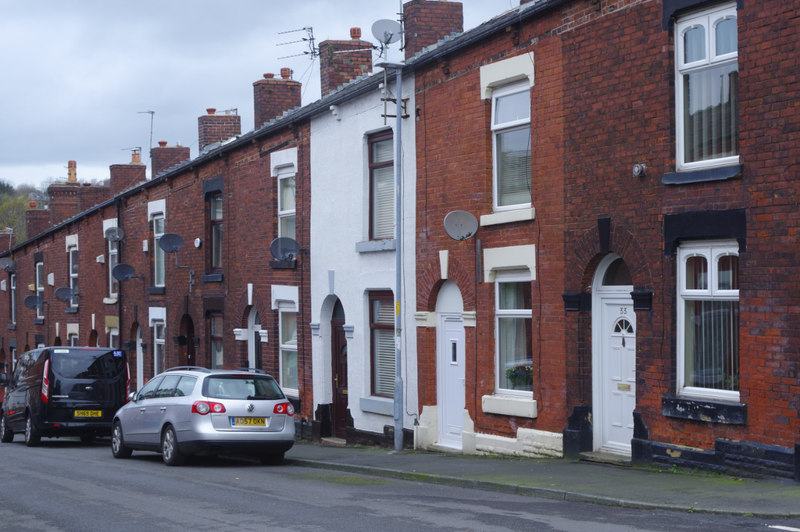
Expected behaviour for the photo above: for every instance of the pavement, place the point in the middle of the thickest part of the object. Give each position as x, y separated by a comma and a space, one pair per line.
565, 479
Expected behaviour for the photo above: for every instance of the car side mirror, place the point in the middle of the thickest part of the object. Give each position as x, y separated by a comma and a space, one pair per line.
132, 396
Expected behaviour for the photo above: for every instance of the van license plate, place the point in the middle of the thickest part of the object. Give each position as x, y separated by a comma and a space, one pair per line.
248, 421
88, 413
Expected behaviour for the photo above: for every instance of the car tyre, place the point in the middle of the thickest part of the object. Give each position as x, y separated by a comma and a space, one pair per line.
32, 436
169, 448
118, 448
6, 434
272, 458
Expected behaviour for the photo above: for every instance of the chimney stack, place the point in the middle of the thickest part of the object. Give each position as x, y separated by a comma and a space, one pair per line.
426, 22
125, 176
272, 97
164, 157
343, 61
213, 128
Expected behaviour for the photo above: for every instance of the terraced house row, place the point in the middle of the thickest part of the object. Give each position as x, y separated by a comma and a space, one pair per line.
618, 272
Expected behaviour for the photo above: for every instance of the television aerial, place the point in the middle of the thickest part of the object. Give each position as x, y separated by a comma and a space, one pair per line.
460, 225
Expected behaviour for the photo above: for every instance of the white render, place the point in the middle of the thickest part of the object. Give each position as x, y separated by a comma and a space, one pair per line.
339, 222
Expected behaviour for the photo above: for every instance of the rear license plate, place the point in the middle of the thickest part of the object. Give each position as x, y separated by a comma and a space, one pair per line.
88, 413
248, 421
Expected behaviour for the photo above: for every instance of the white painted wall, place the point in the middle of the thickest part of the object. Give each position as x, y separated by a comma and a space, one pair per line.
339, 220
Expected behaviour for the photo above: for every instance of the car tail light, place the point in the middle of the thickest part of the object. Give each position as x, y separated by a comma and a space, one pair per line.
204, 407
46, 381
284, 408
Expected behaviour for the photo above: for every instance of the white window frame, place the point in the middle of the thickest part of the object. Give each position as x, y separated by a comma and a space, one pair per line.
708, 19
113, 260
159, 345
502, 277
285, 215
217, 356
159, 258
505, 127
711, 251
288, 348
40, 280
13, 294
73, 263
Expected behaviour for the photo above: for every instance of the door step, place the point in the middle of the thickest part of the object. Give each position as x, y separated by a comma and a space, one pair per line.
606, 458
334, 442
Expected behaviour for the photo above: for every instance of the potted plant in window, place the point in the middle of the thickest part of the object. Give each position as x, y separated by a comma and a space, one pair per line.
520, 377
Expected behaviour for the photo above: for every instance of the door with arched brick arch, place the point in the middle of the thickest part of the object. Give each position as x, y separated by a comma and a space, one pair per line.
613, 358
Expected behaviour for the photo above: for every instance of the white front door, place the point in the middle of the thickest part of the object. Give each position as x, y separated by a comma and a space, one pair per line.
450, 379
617, 367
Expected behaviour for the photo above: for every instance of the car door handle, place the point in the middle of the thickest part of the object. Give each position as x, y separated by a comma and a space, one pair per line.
141, 410
163, 408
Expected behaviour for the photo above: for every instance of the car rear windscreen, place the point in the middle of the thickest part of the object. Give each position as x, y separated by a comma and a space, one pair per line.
73, 364
242, 387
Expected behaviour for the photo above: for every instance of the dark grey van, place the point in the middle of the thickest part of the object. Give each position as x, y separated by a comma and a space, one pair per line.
64, 391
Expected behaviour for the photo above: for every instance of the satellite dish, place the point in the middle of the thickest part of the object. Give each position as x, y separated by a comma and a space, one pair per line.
460, 225
387, 31
284, 248
114, 234
64, 293
170, 242
7, 264
122, 272
33, 301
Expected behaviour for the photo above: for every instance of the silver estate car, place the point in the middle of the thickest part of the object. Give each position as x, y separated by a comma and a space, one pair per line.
197, 411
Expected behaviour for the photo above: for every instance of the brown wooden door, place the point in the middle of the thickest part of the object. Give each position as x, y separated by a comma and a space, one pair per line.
339, 358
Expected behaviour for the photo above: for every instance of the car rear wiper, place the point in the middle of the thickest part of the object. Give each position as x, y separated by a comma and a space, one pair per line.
258, 397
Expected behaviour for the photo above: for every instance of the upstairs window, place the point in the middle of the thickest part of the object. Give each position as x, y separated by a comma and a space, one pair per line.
215, 231
113, 260
73, 275
286, 204
39, 267
707, 88
13, 297
381, 186
158, 253
708, 320
511, 145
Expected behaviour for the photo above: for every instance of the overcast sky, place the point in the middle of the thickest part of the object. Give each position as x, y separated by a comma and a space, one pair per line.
78, 74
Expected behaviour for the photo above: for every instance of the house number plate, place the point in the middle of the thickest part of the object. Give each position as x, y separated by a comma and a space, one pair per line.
623, 387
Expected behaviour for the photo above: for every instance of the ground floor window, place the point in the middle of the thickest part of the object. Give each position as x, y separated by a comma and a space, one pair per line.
159, 347
514, 356
288, 348
381, 324
215, 340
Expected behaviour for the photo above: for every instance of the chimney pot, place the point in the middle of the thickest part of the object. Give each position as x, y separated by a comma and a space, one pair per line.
355, 33
269, 75
162, 143
211, 110
286, 73
32, 204
136, 158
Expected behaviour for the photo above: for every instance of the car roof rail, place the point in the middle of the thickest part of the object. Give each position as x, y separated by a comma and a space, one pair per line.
186, 368
251, 370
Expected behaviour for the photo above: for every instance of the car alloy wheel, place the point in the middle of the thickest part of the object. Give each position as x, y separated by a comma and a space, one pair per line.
118, 448
169, 448
31, 434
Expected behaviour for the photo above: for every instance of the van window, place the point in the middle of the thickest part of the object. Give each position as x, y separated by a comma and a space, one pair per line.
73, 364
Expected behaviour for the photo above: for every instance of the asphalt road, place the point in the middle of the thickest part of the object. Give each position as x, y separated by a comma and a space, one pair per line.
64, 485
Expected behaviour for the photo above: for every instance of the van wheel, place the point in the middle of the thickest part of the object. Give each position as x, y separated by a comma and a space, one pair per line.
6, 435
169, 448
32, 436
118, 448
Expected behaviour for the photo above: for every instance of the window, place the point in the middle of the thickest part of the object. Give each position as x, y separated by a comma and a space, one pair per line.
511, 137
215, 231
113, 337
159, 347
40, 290
215, 339
73, 275
158, 253
381, 186
113, 260
708, 320
72, 339
286, 204
381, 325
706, 89
288, 361
514, 360
13, 292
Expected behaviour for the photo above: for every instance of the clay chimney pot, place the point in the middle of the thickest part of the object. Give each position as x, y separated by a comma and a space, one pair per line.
162, 143
269, 75
286, 73
211, 110
355, 33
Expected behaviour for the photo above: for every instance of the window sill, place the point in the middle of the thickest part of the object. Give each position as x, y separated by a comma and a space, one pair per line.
372, 246
212, 278
704, 410
377, 405
71, 310
156, 290
507, 217
38, 321
12, 326
509, 405
109, 300
721, 173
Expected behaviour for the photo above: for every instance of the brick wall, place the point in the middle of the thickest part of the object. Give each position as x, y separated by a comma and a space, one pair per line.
164, 157
212, 128
342, 61
427, 22
272, 97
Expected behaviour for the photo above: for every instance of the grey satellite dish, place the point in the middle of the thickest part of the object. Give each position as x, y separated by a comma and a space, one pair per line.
284, 248
7, 264
64, 293
460, 225
122, 272
33, 301
114, 234
170, 242
386, 31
